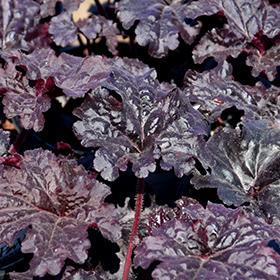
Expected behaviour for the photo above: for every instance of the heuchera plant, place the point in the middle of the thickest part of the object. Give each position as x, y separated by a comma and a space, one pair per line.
174, 102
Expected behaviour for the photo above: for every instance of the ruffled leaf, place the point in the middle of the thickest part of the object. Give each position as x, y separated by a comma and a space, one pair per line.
59, 200
214, 91
132, 119
265, 62
23, 100
246, 167
245, 18
160, 24
218, 43
21, 27
211, 243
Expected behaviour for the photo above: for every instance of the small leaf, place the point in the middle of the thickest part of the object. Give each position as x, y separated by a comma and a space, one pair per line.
63, 29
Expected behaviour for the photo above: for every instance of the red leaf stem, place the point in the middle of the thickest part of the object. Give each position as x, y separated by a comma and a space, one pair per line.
134, 228
19, 140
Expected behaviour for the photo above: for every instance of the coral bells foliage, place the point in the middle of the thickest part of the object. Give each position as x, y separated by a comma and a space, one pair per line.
183, 90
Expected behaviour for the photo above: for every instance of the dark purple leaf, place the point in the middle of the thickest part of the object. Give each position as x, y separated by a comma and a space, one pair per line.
21, 27
211, 243
245, 18
90, 27
246, 163
81, 275
266, 62
40, 64
79, 75
160, 24
47, 7
99, 25
144, 124
63, 29
132, 65
59, 200
43, 64
218, 43
21, 275
215, 91
74, 75
22, 100
267, 99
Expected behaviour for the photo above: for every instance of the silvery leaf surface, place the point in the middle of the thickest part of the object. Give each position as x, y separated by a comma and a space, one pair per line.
211, 243
246, 165
214, 91
160, 24
131, 119
58, 200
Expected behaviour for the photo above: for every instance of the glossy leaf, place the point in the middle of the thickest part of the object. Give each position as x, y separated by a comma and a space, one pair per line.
214, 91
23, 100
21, 27
218, 43
59, 200
246, 164
211, 243
160, 24
266, 98
266, 62
245, 18
140, 123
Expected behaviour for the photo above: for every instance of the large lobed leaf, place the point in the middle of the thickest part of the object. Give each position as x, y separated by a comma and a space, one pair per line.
65, 31
218, 43
211, 243
246, 167
74, 75
245, 18
20, 26
160, 24
132, 119
58, 200
47, 7
215, 91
